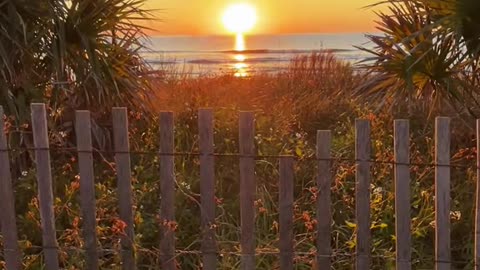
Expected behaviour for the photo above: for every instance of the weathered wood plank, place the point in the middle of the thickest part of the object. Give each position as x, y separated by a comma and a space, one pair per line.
442, 194
207, 188
11, 250
286, 213
402, 195
167, 192
477, 204
44, 178
83, 130
247, 189
362, 196
124, 184
324, 212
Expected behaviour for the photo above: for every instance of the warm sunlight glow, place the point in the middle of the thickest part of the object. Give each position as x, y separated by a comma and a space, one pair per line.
240, 67
240, 43
240, 57
240, 18
240, 70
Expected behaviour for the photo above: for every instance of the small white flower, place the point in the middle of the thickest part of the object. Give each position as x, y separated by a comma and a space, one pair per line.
24, 173
455, 215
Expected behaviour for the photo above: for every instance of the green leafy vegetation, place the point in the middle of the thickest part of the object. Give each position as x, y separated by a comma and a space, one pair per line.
428, 51
75, 54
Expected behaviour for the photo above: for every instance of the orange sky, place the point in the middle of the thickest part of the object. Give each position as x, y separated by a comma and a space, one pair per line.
203, 17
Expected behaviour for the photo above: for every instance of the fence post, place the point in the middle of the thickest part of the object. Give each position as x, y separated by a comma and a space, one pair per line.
402, 195
442, 193
207, 188
124, 184
324, 213
247, 189
44, 178
7, 201
286, 213
477, 204
167, 192
362, 190
83, 130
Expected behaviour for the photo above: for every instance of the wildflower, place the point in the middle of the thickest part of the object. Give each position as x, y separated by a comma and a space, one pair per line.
306, 216
314, 192
170, 225
275, 226
371, 117
309, 226
75, 185
119, 226
75, 222
218, 201
24, 173
455, 215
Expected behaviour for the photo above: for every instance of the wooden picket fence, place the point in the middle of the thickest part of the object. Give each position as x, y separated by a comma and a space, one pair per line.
247, 155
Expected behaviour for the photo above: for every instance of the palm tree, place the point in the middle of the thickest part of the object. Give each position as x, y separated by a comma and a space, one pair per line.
71, 54
426, 56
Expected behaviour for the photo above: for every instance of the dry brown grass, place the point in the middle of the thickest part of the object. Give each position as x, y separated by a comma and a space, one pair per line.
311, 90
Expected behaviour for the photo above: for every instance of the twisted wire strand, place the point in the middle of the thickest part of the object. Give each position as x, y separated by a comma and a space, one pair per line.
233, 155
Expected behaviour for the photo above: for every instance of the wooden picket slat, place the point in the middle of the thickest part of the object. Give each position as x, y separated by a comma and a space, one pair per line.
167, 192
247, 189
362, 193
44, 178
402, 195
477, 204
207, 188
324, 212
124, 184
83, 131
442, 194
286, 213
8, 222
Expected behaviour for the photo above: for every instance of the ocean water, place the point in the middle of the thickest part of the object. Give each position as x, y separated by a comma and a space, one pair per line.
244, 56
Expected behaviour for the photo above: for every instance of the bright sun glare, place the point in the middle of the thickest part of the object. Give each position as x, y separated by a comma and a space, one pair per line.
239, 18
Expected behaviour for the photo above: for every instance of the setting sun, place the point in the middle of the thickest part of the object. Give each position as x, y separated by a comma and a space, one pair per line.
239, 18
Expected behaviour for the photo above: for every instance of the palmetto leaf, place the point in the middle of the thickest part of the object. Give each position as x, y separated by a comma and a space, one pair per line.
416, 60
460, 18
72, 53
423, 55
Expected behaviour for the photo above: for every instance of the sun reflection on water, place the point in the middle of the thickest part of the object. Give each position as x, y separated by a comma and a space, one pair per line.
240, 57
239, 42
241, 69
239, 66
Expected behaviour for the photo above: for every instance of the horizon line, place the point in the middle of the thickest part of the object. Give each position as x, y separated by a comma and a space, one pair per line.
265, 34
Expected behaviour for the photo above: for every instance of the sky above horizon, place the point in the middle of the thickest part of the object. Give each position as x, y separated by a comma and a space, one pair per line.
203, 17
